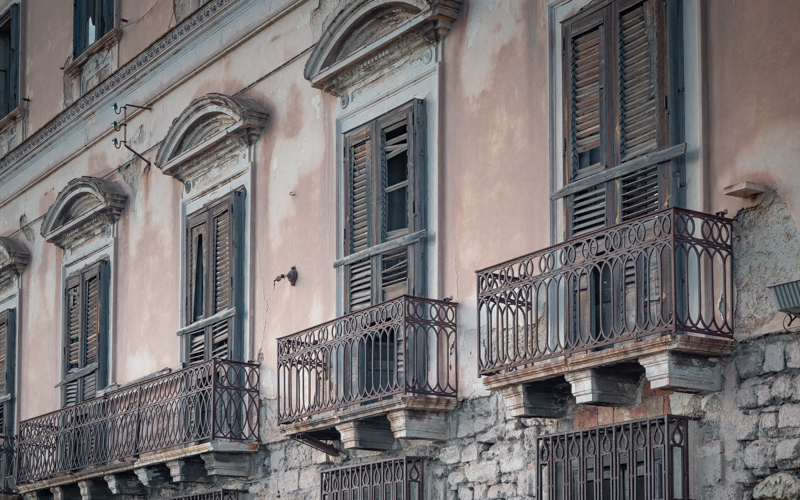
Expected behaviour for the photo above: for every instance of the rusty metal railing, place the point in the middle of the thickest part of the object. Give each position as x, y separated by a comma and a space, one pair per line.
6, 463
403, 346
642, 459
398, 479
666, 272
217, 399
211, 495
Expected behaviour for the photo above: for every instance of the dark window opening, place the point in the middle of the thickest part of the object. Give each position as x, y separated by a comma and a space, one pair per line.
91, 20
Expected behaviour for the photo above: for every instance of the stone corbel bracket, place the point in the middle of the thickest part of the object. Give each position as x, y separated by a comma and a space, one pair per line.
14, 257
368, 36
87, 207
210, 129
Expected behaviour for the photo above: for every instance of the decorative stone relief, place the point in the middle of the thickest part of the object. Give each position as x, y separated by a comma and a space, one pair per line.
92, 67
367, 39
209, 137
86, 209
13, 259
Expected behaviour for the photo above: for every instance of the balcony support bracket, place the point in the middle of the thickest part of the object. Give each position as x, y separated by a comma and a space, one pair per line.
66, 492
370, 435
682, 372
154, 476
188, 471
227, 464
536, 400
595, 387
125, 483
94, 489
410, 424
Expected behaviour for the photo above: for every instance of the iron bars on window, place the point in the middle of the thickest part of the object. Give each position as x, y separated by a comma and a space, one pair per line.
397, 479
211, 495
217, 399
402, 346
638, 460
665, 272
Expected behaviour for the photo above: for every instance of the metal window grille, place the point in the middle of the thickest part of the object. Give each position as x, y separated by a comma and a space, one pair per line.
211, 495
397, 479
637, 460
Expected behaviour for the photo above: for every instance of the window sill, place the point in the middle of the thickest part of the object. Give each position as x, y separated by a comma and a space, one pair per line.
11, 117
105, 42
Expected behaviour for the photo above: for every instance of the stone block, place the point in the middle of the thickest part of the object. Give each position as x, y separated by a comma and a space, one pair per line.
482, 472
709, 464
185, 470
514, 462
465, 493
768, 421
780, 486
601, 388
455, 479
93, 489
782, 389
227, 464
774, 360
745, 427
407, 424
125, 484
764, 394
450, 454
682, 372
376, 435
760, 457
535, 400
746, 398
789, 416
749, 361
793, 353
787, 454
471, 452
503, 490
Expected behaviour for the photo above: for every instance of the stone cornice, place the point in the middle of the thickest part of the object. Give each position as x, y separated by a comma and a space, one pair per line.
127, 76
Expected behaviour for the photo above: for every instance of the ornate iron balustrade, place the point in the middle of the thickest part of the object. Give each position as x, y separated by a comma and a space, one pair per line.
666, 272
217, 399
642, 460
6, 463
398, 479
211, 495
403, 346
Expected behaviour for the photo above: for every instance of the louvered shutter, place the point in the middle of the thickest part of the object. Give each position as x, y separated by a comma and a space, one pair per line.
78, 28
213, 269
13, 61
91, 338
586, 110
7, 369
73, 333
360, 161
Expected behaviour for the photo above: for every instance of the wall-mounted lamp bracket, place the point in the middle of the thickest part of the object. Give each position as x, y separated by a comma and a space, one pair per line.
291, 276
123, 126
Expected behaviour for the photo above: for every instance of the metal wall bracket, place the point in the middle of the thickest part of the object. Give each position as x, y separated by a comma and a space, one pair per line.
123, 126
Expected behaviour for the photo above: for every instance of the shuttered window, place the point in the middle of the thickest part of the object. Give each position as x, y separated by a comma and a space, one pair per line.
9, 60
384, 208
85, 334
213, 277
616, 114
91, 20
7, 370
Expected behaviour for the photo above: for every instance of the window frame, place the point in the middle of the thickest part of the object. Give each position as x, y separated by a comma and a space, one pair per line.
413, 112
608, 174
80, 14
234, 203
101, 271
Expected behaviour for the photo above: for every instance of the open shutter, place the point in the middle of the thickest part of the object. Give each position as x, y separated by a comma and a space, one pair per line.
108, 17
91, 339
196, 268
72, 341
7, 369
637, 81
78, 28
358, 237
222, 256
13, 61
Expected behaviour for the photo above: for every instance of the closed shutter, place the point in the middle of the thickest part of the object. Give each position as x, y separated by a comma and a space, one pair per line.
13, 61
7, 370
85, 332
108, 16
78, 28
384, 179
611, 59
213, 271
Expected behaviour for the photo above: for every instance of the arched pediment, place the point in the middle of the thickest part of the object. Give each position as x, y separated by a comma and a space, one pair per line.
209, 124
86, 205
372, 31
14, 257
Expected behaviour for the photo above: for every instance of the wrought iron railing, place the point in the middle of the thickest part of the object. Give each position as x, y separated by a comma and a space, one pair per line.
6, 463
666, 272
403, 346
642, 459
217, 399
211, 495
398, 479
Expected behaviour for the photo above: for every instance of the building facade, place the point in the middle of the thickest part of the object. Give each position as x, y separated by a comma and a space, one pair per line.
406, 249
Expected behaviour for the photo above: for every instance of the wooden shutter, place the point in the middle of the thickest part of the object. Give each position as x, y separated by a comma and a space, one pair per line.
358, 236
585, 109
13, 60
85, 331
78, 28
108, 16
7, 369
637, 81
213, 273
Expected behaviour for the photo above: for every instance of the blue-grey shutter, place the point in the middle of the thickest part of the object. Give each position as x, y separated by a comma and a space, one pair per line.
108, 16
7, 369
78, 28
13, 61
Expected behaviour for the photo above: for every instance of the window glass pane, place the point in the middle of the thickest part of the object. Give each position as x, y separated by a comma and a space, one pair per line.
397, 209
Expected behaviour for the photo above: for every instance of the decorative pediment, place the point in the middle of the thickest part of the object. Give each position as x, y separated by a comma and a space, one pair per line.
212, 127
372, 35
13, 259
87, 207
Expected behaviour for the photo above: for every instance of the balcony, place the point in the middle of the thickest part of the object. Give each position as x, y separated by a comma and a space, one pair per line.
395, 361
6, 464
399, 479
657, 290
643, 459
187, 425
